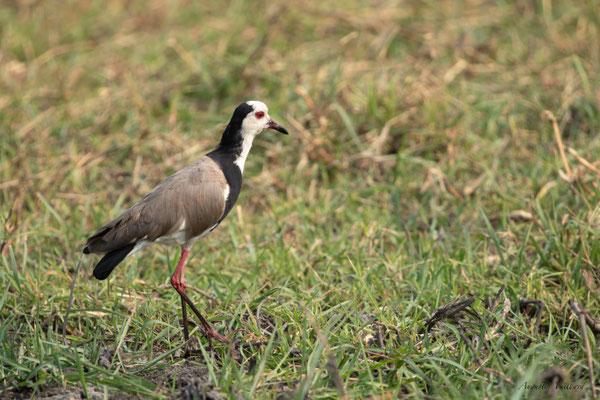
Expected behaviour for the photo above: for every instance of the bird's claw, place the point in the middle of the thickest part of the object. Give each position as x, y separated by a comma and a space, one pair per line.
211, 333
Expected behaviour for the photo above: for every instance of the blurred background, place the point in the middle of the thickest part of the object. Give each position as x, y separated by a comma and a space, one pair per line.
421, 166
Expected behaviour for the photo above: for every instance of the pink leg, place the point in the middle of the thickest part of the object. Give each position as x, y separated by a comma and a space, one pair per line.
178, 282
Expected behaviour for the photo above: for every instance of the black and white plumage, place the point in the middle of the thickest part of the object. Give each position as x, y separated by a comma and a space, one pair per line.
186, 206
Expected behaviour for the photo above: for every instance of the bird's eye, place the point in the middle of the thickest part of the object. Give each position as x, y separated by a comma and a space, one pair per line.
259, 114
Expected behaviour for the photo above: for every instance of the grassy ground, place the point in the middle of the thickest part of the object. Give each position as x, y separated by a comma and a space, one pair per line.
421, 172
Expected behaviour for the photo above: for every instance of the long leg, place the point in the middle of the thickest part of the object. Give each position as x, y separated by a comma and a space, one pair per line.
182, 283
186, 334
178, 282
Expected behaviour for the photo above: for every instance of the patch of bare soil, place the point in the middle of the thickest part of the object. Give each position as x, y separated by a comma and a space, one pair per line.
187, 380
56, 393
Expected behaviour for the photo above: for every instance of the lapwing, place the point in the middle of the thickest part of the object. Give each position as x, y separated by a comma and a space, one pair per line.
186, 206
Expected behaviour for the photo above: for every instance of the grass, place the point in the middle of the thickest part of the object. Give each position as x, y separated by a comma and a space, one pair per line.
420, 172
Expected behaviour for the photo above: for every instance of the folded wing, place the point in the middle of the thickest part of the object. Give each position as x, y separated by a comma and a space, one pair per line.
193, 197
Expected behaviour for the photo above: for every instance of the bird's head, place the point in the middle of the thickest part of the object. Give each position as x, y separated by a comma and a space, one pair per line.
258, 119
248, 120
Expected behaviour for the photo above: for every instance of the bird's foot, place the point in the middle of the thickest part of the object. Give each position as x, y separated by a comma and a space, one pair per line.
212, 334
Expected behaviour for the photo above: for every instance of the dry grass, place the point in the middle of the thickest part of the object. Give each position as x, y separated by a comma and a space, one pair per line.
420, 169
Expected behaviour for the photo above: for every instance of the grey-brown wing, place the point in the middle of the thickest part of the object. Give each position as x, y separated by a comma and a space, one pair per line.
194, 195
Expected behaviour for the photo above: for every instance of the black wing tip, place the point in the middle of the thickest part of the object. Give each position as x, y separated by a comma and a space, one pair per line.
102, 275
110, 260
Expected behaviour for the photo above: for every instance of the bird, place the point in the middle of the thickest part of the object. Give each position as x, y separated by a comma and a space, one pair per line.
185, 207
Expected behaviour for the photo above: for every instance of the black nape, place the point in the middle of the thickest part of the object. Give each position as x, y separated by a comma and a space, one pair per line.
232, 137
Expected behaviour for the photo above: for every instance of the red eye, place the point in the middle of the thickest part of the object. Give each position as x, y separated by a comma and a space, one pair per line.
260, 114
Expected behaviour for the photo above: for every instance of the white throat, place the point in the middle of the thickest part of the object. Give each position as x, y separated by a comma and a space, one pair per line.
246, 145
252, 125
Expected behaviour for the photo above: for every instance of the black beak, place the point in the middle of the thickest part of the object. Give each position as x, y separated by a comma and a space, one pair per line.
274, 125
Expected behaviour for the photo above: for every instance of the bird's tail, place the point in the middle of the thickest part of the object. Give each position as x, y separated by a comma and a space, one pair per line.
110, 261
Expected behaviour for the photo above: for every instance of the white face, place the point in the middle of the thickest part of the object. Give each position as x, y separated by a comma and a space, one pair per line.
256, 121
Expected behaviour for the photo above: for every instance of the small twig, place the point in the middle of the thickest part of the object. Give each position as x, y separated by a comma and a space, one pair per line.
378, 144
447, 311
64, 330
588, 165
561, 147
577, 309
